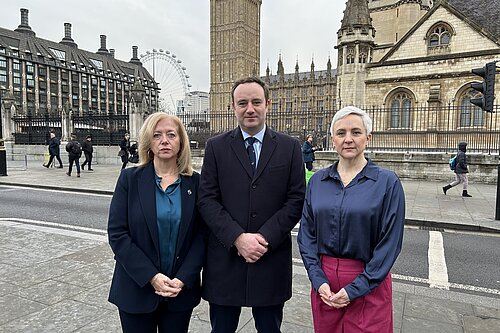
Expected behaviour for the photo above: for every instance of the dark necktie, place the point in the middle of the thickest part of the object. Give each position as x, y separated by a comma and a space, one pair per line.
251, 152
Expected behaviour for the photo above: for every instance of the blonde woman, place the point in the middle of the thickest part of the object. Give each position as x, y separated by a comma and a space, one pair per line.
155, 232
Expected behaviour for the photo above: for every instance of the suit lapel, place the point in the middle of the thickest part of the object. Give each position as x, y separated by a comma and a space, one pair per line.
268, 147
187, 208
147, 197
238, 147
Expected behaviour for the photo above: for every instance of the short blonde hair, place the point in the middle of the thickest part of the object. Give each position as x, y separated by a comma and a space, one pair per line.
184, 165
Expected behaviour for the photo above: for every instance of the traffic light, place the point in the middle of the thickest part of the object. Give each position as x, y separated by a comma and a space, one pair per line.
487, 87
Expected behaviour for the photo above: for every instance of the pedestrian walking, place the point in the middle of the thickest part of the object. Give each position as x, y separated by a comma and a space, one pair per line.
308, 152
351, 233
461, 170
124, 149
54, 150
155, 232
88, 150
251, 195
74, 149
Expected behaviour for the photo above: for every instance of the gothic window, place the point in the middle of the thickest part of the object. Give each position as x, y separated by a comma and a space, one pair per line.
362, 57
350, 56
470, 114
439, 35
400, 108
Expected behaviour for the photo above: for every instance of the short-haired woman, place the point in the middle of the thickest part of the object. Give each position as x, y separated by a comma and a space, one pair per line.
351, 232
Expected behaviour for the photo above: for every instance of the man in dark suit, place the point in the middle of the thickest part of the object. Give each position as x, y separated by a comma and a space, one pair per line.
251, 196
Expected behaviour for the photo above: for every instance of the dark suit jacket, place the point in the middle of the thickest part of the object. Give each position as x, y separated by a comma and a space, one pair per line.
133, 236
231, 202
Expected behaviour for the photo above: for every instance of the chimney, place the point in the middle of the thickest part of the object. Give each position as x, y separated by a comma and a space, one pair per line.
135, 59
24, 27
112, 52
103, 49
67, 40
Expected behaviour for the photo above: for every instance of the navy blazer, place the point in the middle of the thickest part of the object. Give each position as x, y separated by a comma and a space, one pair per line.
232, 200
133, 236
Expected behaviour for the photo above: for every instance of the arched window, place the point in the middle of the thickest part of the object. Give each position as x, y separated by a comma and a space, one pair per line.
439, 35
470, 114
350, 56
362, 58
400, 108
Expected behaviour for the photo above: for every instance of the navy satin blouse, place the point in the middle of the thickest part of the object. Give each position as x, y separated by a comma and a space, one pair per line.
363, 220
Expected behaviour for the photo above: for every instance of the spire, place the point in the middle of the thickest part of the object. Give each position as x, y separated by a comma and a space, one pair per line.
356, 14
312, 64
267, 69
297, 65
281, 69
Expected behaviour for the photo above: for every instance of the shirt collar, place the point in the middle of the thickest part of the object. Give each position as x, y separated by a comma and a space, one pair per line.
370, 170
259, 136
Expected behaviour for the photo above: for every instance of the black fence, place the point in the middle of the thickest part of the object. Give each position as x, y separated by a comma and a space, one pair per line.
418, 129
34, 129
424, 129
105, 129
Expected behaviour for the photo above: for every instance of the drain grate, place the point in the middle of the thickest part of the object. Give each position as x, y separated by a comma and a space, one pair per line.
431, 228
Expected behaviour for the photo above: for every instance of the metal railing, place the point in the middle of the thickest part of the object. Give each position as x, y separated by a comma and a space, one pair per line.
419, 129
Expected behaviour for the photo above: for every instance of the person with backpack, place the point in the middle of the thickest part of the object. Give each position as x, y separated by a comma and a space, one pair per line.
459, 166
74, 148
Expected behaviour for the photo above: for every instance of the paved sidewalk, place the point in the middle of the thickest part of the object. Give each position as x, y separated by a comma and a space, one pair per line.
55, 279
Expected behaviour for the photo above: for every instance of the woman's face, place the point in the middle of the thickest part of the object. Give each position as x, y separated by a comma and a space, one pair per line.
349, 137
166, 142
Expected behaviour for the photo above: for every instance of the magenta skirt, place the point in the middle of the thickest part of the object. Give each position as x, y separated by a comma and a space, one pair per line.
370, 313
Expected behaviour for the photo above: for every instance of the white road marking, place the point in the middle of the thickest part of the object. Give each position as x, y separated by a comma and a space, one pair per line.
59, 228
438, 272
17, 187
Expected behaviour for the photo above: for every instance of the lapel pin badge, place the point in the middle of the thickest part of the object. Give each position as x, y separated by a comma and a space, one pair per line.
189, 192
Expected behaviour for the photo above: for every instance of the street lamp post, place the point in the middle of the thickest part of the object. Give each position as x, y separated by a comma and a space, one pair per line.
3, 153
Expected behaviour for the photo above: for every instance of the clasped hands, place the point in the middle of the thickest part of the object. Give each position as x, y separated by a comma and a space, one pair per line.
251, 246
336, 300
166, 287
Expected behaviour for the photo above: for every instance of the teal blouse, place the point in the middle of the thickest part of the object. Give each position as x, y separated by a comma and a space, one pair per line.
168, 219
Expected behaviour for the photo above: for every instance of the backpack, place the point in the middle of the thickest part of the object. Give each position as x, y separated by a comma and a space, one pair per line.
453, 163
75, 148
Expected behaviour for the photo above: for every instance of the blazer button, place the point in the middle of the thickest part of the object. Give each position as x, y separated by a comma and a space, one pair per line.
254, 214
254, 186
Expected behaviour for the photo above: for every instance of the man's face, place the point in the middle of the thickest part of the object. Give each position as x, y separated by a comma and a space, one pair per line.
250, 107
52, 135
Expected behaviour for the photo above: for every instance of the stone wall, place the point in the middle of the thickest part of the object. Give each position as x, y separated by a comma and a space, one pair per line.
429, 166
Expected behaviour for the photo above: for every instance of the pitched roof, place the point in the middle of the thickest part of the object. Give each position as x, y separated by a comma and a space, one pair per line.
483, 13
46, 51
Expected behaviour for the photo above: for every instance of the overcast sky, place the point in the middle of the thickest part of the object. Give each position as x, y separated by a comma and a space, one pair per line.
298, 29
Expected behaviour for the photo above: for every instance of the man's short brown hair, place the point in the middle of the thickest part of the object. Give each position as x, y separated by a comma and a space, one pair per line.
250, 79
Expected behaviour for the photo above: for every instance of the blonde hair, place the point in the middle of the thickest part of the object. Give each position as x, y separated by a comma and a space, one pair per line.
184, 165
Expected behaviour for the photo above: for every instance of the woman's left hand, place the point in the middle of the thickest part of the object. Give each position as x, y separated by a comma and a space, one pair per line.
170, 288
340, 299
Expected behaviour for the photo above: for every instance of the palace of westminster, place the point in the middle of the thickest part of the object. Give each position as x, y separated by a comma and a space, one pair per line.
393, 54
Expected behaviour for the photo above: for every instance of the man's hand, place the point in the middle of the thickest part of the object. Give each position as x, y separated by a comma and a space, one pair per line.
251, 246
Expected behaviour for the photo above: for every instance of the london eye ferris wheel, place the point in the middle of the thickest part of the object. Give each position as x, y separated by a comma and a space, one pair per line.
171, 76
